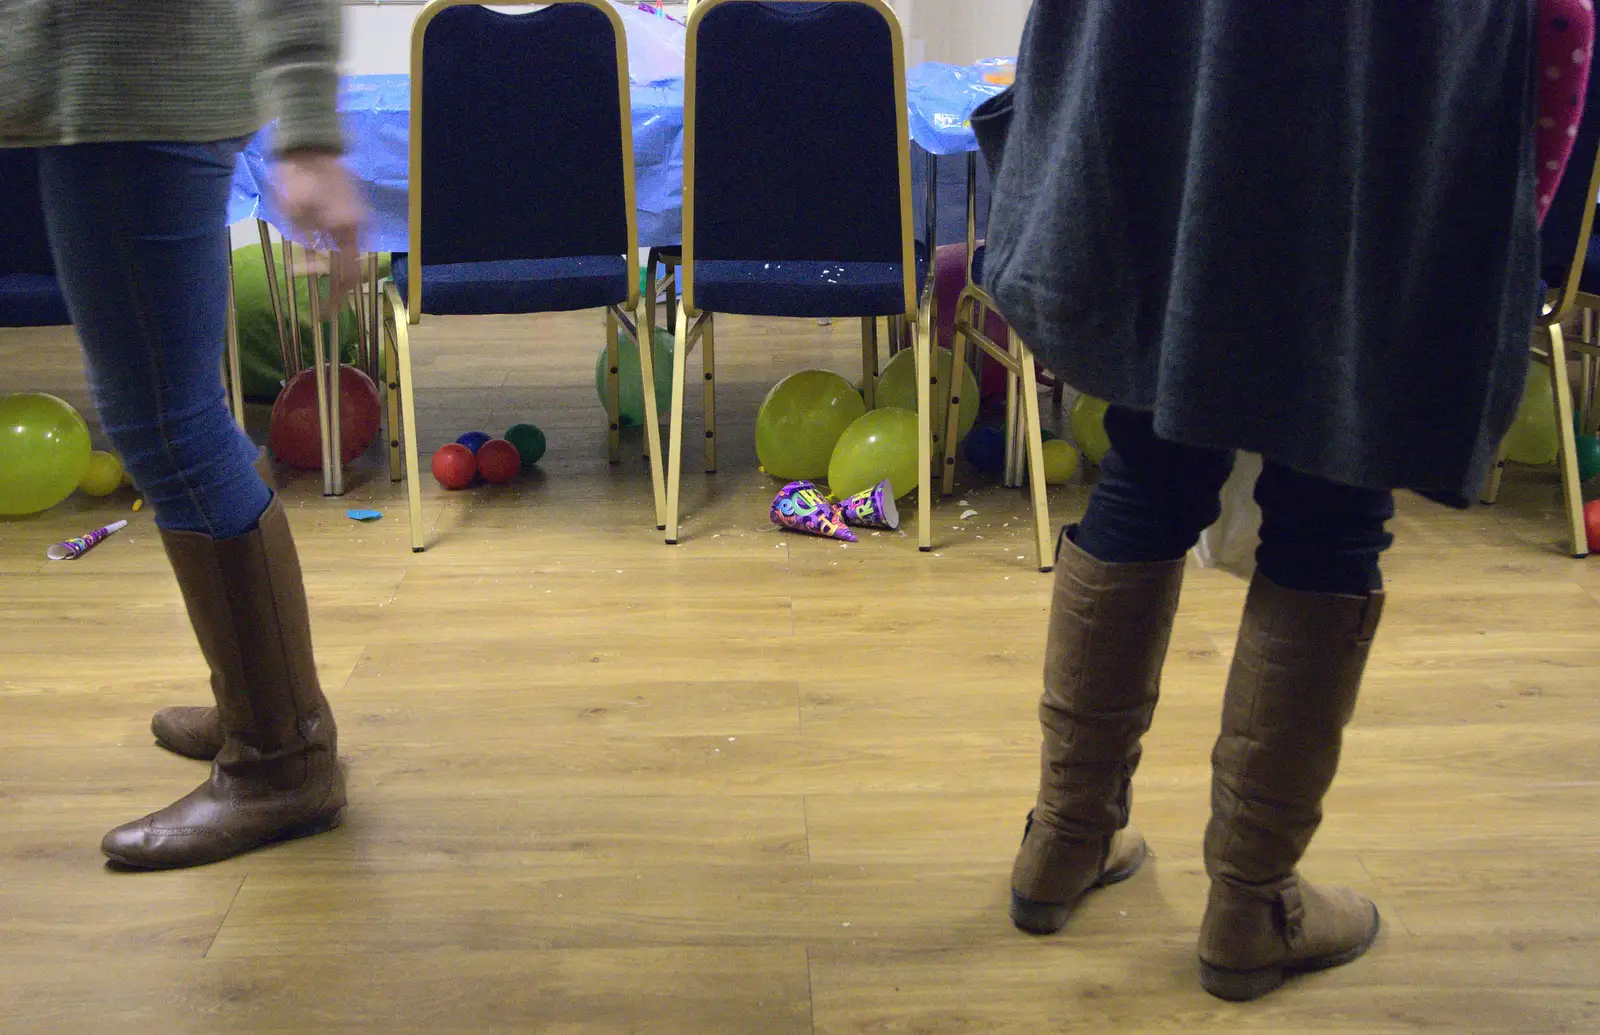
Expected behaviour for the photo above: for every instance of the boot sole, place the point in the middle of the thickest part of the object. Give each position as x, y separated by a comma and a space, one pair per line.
1241, 986
1049, 917
320, 825
164, 743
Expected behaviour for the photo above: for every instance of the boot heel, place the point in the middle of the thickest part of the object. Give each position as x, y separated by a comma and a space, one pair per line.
1239, 986
1038, 917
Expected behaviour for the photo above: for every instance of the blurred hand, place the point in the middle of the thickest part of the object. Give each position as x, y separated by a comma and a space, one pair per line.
314, 191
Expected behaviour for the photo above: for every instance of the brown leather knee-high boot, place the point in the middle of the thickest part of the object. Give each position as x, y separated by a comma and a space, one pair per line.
1109, 628
276, 775
192, 731
1293, 686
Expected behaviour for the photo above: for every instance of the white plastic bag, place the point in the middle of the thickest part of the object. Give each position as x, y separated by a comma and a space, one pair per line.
1230, 544
655, 45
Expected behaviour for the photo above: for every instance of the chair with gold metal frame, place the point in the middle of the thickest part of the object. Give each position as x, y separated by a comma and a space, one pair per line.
796, 189
1024, 434
522, 187
1571, 255
30, 294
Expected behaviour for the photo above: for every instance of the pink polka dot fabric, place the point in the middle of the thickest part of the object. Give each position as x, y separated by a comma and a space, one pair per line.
1566, 48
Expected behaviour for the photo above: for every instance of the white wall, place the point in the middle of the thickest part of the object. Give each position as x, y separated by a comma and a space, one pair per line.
962, 31
377, 36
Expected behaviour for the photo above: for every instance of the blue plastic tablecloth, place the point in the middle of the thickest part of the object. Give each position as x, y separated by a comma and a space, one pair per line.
377, 113
942, 98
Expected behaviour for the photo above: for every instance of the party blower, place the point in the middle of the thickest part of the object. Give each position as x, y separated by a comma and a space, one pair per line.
72, 549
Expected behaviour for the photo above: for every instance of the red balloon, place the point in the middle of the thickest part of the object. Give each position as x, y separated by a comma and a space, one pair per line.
454, 466
1591, 524
498, 461
296, 435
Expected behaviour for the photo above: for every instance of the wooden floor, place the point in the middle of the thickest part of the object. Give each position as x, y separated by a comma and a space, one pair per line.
757, 782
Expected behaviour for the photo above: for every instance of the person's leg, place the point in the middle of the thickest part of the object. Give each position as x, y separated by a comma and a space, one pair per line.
1118, 573
138, 235
1313, 608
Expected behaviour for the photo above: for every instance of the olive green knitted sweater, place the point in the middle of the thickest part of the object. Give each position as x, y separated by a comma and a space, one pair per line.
92, 71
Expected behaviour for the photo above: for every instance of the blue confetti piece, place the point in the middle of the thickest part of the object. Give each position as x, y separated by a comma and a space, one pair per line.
364, 515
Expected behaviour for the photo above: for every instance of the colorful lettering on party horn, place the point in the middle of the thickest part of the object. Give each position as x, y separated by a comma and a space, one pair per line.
802, 507
872, 508
72, 549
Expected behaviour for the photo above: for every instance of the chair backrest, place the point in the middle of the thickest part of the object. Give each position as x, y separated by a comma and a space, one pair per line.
24, 247
1564, 237
796, 145
521, 135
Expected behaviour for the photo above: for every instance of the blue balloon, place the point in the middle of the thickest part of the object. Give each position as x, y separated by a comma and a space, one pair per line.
474, 440
985, 448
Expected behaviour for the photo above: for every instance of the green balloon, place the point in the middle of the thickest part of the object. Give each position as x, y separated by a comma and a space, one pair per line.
529, 441
630, 386
880, 445
260, 361
897, 387
1532, 438
800, 422
1588, 457
44, 452
1046, 435
1089, 427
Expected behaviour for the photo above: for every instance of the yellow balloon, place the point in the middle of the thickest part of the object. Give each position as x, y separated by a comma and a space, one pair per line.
1532, 438
1089, 427
897, 387
104, 475
44, 450
1060, 462
881, 445
800, 422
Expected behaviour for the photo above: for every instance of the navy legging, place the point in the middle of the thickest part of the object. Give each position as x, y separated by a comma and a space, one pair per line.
1155, 497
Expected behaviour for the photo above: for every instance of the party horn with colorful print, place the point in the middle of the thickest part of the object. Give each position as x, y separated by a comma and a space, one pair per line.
802, 507
72, 549
872, 508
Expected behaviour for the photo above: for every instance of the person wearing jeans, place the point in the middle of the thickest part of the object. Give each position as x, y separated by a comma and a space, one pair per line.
1309, 232
139, 112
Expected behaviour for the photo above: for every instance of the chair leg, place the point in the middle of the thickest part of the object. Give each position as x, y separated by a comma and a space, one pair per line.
652, 429
1571, 484
869, 361
1038, 491
958, 346
396, 317
651, 288
235, 373
680, 357
708, 358
613, 387
945, 455
391, 382
673, 311
1011, 475
924, 362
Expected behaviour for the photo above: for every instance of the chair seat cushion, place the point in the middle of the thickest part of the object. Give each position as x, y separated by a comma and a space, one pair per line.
31, 300
518, 286
789, 288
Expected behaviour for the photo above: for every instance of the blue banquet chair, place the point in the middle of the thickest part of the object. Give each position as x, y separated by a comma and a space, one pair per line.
30, 295
797, 190
522, 187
